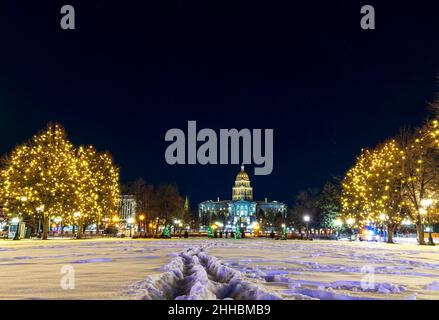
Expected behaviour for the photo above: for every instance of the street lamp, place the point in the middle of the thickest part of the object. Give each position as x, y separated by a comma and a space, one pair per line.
131, 222
307, 220
40, 210
176, 223
337, 224
141, 218
426, 204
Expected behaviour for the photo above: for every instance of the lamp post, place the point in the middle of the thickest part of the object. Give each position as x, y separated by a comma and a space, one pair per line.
176, 223
40, 210
17, 220
131, 222
338, 223
307, 219
426, 204
142, 224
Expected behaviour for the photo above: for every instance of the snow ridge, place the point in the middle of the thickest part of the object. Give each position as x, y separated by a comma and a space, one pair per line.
194, 275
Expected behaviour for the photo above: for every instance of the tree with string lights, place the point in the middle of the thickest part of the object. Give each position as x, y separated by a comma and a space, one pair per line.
385, 187
38, 178
48, 178
421, 173
355, 202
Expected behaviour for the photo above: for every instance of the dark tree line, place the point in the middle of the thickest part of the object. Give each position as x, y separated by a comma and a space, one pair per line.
321, 206
159, 205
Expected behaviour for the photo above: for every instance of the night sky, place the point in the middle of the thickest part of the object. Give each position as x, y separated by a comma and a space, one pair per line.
130, 71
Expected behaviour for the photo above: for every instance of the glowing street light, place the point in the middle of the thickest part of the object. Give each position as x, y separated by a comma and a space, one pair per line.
350, 221
142, 224
338, 223
307, 219
219, 224
131, 222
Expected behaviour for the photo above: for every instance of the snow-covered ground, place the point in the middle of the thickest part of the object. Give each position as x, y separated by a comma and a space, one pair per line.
217, 269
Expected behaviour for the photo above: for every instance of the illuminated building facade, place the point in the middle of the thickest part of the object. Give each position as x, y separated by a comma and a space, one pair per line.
127, 207
241, 210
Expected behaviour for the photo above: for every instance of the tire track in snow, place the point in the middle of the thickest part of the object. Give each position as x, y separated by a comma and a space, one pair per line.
195, 275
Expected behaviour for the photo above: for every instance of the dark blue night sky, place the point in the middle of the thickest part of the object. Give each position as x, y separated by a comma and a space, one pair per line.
131, 71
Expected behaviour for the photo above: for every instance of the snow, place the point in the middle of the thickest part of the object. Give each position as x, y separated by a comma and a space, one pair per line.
433, 286
336, 269
250, 269
194, 275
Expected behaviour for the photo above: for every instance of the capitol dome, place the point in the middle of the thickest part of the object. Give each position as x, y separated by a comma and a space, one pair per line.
242, 175
242, 189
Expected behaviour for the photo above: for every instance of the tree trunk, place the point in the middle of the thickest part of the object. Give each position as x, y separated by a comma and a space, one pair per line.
421, 240
45, 227
79, 235
390, 230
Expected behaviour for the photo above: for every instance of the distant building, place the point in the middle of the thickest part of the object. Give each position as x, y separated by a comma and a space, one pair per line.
241, 210
127, 211
127, 207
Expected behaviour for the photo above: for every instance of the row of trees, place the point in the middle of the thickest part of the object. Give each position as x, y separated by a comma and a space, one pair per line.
322, 206
47, 177
159, 205
396, 180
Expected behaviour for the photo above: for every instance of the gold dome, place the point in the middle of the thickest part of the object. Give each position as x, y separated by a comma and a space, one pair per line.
242, 175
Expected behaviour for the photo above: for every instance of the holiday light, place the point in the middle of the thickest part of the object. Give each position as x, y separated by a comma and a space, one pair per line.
46, 176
